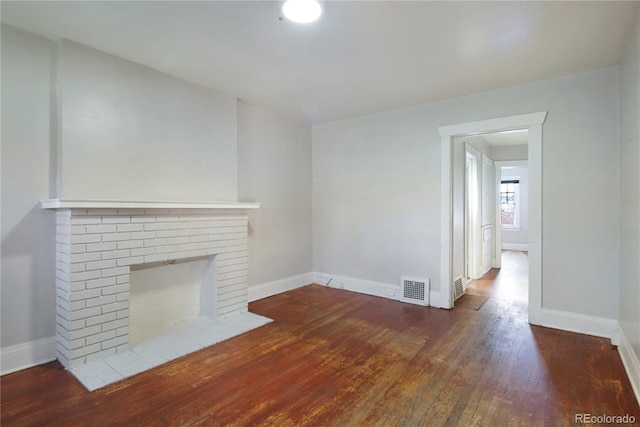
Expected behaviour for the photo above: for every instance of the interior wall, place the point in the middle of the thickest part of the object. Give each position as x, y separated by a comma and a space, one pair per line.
376, 199
630, 191
128, 132
510, 152
274, 166
521, 235
28, 233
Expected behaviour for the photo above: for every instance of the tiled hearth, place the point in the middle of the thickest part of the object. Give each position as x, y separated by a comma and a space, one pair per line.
96, 244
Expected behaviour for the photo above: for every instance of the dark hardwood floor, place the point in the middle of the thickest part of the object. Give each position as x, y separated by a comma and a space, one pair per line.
337, 358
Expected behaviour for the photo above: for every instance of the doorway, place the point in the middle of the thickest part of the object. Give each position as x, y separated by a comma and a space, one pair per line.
533, 123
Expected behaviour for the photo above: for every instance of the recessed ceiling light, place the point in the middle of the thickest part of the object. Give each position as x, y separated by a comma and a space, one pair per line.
302, 11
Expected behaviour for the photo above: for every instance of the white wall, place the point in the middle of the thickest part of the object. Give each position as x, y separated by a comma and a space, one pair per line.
510, 152
123, 131
129, 132
28, 233
274, 165
519, 236
630, 200
376, 193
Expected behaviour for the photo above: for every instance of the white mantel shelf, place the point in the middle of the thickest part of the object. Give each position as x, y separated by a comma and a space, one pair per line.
127, 204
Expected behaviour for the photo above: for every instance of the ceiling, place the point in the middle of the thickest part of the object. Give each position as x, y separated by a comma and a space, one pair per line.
361, 57
519, 137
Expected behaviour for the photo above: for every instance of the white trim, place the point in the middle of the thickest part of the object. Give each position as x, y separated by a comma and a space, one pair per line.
533, 122
630, 361
27, 355
131, 204
279, 286
576, 322
515, 247
368, 287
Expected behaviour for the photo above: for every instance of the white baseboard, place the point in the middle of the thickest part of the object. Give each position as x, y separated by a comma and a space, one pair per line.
515, 247
26, 355
630, 361
268, 289
575, 322
368, 287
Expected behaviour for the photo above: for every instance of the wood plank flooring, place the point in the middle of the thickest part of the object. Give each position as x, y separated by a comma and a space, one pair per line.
337, 358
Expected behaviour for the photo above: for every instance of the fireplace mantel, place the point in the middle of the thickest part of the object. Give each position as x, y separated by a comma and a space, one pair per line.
130, 204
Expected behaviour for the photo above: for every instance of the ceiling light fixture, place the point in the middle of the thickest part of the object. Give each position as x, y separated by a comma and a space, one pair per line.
302, 11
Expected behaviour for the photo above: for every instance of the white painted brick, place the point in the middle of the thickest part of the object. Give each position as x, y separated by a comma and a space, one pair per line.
98, 320
125, 212
81, 333
174, 225
116, 219
166, 249
130, 260
78, 229
62, 248
101, 283
123, 315
188, 247
85, 350
70, 325
115, 271
116, 237
166, 233
156, 258
124, 296
76, 343
85, 238
115, 306
167, 218
90, 220
177, 240
78, 212
188, 232
63, 239
100, 355
143, 219
197, 239
143, 251
156, 211
143, 235
102, 336
76, 305
197, 253
99, 265
155, 226
85, 275
77, 286
122, 331
115, 289
187, 218
77, 249
64, 267
155, 242
83, 295
115, 342
123, 253
85, 257
121, 280
126, 228
103, 212
207, 245
101, 247
102, 300
120, 323
103, 228
130, 244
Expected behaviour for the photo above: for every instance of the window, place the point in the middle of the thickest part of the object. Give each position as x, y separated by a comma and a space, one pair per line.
509, 203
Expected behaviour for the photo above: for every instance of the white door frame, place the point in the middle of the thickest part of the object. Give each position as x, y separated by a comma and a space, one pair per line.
533, 122
472, 233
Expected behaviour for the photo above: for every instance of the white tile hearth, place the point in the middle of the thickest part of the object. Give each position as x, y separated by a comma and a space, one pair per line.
184, 338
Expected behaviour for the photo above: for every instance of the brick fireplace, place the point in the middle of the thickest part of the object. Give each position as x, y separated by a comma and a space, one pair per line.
98, 241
